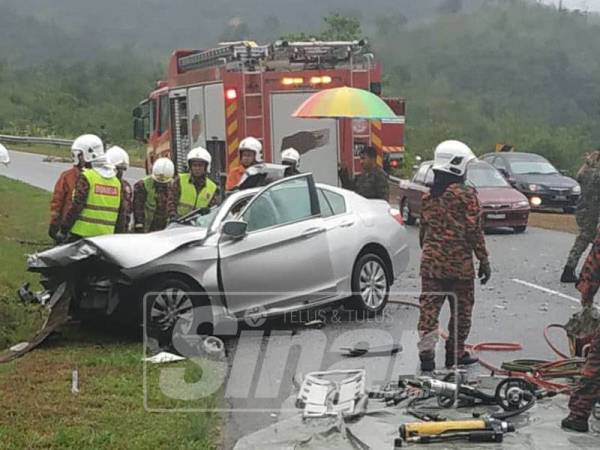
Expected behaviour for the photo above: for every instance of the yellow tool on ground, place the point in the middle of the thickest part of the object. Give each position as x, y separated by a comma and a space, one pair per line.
474, 430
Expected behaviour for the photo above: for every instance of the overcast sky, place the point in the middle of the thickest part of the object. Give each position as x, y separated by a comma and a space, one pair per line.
591, 5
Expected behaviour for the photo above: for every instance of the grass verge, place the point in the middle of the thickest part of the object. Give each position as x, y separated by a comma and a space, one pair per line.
554, 221
38, 409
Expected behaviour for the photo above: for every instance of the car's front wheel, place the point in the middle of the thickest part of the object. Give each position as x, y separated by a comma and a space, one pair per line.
520, 229
175, 307
370, 283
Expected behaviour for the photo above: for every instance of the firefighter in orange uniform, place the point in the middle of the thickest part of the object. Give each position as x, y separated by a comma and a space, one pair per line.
62, 197
250, 151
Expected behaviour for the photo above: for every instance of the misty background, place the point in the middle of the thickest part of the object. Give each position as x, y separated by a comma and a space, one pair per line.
484, 71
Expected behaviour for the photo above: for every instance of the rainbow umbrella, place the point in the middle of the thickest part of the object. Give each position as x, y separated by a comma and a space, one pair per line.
344, 102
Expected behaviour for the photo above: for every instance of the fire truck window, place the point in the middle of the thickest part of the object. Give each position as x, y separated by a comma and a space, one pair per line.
152, 115
163, 122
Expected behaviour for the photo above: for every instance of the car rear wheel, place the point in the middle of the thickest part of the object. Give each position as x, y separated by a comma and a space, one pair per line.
407, 216
370, 283
520, 229
173, 308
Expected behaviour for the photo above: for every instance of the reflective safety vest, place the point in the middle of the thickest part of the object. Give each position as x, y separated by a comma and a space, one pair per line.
101, 210
189, 200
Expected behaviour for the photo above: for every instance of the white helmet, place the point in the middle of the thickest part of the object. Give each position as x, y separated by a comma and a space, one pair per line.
163, 170
199, 154
290, 155
117, 157
252, 144
452, 157
4, 156
89, 145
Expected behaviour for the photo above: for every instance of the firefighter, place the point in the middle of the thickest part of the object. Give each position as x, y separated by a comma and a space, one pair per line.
82, 150
450, 232
291, 158
372, 182
96, 200
119, 159
151, 195
193, 190
586, 215
4, 156
583, 399
250, 152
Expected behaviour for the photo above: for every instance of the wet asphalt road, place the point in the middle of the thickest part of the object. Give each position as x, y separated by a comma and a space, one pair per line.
31, 168
262, 368
506, 310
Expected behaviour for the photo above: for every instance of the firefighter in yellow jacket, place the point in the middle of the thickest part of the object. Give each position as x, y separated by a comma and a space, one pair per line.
96, 201
193, 190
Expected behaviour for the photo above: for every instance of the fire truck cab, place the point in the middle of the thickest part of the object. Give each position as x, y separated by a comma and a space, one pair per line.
214, 98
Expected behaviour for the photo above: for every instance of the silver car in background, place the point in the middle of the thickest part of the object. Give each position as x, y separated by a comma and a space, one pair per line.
291, 245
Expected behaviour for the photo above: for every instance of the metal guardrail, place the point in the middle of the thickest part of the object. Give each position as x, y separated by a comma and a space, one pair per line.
35, 140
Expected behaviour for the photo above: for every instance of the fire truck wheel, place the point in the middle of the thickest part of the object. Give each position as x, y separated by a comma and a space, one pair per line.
407, 216
370, 283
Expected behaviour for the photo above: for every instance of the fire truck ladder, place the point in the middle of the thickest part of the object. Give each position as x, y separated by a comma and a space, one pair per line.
245, 52
254, 104
318, 52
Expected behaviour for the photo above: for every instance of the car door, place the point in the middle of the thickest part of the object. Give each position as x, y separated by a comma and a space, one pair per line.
283, 260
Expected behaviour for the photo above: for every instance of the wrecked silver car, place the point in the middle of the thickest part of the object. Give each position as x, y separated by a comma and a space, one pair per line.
291, 245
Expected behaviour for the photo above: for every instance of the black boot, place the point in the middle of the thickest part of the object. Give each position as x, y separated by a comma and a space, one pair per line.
575, 424
427, 362
465, 360
568, 275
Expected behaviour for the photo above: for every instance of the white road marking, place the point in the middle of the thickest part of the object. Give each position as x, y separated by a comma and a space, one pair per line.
549, 291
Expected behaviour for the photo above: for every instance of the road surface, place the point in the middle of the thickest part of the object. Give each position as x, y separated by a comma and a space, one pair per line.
32, 169
523, 296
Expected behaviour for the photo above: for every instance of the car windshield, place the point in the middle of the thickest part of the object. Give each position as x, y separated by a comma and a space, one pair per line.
483, 176
540, 167
203, 220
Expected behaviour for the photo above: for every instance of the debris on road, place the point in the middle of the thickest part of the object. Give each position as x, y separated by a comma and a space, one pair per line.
164, 357
333, 393
364, 349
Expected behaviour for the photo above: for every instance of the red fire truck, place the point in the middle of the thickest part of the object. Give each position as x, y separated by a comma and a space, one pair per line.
216, 97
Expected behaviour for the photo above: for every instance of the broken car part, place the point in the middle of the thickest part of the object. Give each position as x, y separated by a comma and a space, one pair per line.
332, 392
58, 314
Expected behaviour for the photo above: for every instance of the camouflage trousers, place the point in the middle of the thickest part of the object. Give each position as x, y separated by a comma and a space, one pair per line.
583, 399
587, 233
434, 293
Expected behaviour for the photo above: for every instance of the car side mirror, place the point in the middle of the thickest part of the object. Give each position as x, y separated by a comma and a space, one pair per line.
564, 172
235, 229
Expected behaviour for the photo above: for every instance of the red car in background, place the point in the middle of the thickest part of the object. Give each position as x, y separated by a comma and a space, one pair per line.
503, 206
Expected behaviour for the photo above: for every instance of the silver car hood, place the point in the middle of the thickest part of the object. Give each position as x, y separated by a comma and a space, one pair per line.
131, 250
126, 250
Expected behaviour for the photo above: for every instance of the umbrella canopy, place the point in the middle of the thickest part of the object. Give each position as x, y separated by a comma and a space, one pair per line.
344, 102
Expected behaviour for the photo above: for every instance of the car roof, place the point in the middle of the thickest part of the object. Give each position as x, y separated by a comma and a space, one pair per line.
522, 156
